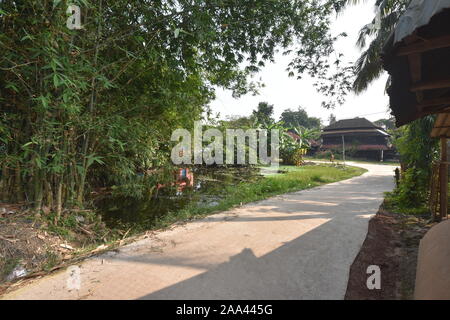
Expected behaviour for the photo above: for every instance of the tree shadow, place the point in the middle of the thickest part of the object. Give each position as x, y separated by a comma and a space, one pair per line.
299, 269
314, 265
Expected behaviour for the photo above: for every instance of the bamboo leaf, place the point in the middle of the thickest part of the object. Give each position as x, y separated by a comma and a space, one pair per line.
12, 86
55, 3
56, 80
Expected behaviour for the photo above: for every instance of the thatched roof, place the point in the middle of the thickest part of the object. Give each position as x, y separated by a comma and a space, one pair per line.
419, 14
417, 59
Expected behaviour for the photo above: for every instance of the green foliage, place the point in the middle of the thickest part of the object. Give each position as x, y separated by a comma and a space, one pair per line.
386, 124
413, 189
416, 147
297, 157
326, 155
418, 151
235, 122
7, 266
369, 66
264, 113
88, 109
299, 118
293, 150
293, 180
52, 260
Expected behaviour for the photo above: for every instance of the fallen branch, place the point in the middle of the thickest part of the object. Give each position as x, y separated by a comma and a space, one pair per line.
10, 240
89, 233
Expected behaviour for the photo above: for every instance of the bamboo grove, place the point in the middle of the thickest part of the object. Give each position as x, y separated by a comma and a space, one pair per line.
91, 108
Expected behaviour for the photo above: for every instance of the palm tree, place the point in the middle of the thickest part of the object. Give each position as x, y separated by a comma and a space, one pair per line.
369, 67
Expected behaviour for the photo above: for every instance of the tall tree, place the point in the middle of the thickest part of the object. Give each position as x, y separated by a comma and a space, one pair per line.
263, 113
369, 67
386, 124
331, 119
300, 118
90, 107
238, 122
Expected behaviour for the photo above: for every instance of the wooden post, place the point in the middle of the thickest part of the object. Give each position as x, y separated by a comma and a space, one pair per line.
443, 180
343, 149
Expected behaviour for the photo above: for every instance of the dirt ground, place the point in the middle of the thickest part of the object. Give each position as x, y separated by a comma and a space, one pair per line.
24, 247
29, 249
392, 243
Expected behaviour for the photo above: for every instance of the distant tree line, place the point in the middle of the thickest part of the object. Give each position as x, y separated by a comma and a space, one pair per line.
264, 114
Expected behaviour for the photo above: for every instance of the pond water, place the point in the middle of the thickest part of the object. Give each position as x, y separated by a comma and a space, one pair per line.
202, 186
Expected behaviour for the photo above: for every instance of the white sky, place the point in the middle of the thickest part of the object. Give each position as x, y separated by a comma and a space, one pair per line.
284, 92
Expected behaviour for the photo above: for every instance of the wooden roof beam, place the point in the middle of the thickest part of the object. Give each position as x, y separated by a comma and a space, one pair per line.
415, 67
435, 109
434, 102
430, 85
445, 110
426, 45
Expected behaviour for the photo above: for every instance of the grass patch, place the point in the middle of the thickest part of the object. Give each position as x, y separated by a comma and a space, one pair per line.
52, 259
356, 160
294, 179
393, 203
7, 266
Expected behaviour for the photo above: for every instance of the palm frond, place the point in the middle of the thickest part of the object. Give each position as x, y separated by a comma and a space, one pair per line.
368, 67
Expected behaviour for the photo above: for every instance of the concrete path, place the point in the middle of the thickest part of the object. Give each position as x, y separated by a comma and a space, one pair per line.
295, 246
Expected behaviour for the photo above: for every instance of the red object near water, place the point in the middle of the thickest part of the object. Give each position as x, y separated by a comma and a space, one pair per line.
183, 177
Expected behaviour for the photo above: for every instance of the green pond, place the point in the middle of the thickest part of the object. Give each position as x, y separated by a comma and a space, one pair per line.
202, 186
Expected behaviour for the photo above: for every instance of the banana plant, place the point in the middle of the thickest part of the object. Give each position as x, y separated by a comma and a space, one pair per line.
306, 136
301, 146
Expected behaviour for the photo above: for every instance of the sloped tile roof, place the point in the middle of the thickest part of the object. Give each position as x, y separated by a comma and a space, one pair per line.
351, 124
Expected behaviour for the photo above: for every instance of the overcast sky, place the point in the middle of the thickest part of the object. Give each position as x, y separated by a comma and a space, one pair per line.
284, 92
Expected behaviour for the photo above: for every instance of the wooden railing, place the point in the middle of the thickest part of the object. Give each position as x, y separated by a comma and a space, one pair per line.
435, 191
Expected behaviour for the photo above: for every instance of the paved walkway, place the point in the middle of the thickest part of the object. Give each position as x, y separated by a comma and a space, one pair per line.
295, 246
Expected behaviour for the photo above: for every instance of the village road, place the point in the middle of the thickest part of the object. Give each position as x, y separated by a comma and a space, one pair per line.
295, 246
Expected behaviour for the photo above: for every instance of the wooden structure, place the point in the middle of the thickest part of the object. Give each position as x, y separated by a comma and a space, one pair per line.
359, 134
417, 59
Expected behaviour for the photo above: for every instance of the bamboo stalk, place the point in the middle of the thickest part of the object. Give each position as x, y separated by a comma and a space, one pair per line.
58, 200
